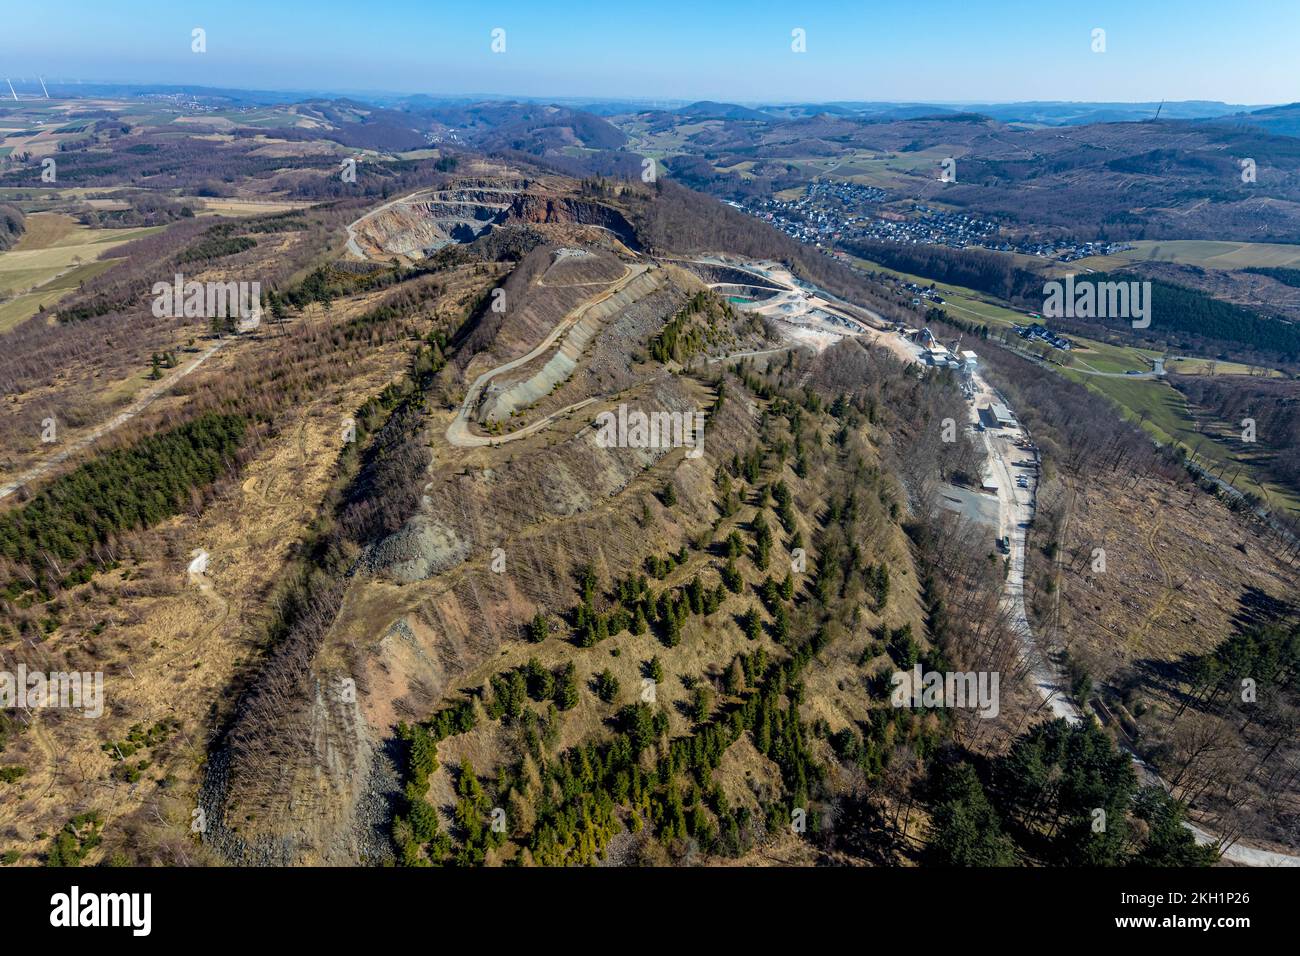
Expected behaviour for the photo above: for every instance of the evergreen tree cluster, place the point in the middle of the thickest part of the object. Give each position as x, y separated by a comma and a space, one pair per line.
52, 536
1063, 795
693, 328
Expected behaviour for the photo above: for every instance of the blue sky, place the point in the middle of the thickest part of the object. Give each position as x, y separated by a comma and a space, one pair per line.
931, 50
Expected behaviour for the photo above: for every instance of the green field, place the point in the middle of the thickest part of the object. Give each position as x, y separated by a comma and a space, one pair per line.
1161, 410
431, 153
1206, 254
1201, 366
665, 143
962, 302
1112, 359
881, 169
53, 257
25, 306
1154, 403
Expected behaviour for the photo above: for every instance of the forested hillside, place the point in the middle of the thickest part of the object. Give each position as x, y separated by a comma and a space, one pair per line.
1273, 405
48, 540
11, 226
1289, 277
987, 272
1182, 315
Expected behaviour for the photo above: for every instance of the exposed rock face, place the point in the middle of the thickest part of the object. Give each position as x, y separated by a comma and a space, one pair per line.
504, 397
547, 209
422, 224
425, 224
307, 774
299, 804
11, 226
424, 547
314, 788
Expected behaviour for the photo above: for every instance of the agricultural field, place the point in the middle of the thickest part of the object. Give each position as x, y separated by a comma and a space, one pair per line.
47, 194
1109, 359
880, 169
670, 142
51, 259
244, 207
415, 154
1203, 366
1203, 253
42, 138
1161, 410
743, 170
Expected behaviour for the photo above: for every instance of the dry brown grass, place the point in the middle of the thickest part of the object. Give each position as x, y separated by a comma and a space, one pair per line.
172, 647
1178, 566
1182, 574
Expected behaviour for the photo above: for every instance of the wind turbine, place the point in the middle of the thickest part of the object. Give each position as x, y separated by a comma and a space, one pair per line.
43, 89
11, 89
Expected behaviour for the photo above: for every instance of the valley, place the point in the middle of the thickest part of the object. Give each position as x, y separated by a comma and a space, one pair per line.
586, 483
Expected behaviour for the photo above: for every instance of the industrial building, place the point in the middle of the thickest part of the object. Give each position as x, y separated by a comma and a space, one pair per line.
996, 416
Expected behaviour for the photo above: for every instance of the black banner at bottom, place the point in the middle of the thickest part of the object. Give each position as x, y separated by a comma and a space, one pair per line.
338, 905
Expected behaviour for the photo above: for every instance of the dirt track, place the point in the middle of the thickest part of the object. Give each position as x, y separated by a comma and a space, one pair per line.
458, 433
88, 439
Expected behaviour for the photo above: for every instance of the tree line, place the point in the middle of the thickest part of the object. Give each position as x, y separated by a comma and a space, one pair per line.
1063, 795
986, 272
12, 225
48, 541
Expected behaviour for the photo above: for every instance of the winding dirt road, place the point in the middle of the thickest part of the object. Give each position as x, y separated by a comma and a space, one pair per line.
458, 433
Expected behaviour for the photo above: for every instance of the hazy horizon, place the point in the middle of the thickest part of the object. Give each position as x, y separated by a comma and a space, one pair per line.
996, 52
27, 86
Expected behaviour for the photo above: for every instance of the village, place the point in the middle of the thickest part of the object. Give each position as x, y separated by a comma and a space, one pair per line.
831, 212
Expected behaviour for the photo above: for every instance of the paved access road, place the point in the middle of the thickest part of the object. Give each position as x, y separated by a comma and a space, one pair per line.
1016, 509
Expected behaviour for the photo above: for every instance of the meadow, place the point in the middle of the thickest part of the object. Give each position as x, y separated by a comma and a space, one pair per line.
1203, 253
54, 256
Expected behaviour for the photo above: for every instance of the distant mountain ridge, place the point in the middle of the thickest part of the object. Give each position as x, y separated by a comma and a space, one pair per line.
1278, 120
707, 109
